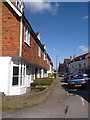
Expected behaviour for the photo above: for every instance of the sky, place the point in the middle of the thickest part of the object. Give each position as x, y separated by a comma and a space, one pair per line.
63, 27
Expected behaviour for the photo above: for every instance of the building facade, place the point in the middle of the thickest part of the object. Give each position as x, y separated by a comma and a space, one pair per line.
80, 64
63, 68
23, 57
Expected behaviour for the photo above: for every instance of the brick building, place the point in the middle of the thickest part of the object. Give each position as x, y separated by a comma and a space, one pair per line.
23, 56
63, 68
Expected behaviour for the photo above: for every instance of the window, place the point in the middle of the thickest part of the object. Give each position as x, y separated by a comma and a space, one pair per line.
79, 65
22, 74
27, 35
15, 75
45, 56
45, 71
84, 64
39, 51
19, 4
80, 58
19, 72
47, 61
76, 66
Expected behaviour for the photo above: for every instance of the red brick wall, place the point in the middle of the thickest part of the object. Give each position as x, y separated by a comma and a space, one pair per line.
11, 38
0, 28
10, 31
30, 53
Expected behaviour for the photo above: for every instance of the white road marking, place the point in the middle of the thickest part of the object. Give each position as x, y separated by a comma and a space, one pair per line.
82, 99
83, 103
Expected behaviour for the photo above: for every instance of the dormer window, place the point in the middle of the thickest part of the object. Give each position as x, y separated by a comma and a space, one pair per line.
80, 58
20, 5
17, 2
38, 36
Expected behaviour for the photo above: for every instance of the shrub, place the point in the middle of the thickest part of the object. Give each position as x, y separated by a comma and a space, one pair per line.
43, 81
49, 75
38, 89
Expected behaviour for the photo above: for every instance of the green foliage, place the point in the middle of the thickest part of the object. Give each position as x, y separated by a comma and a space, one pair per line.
49, 75
38, 89
43, 81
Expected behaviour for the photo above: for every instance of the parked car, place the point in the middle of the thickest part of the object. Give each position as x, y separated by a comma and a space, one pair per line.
77, 81
67, 76
61, 74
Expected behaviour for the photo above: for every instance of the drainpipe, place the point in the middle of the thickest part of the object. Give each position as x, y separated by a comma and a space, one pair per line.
21, 26
21, 30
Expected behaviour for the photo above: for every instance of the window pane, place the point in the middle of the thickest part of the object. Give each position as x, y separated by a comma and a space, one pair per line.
15, 70
21, 71
27, 35
15, 81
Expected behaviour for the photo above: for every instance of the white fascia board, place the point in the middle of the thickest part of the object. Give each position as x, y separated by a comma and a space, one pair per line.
14, 8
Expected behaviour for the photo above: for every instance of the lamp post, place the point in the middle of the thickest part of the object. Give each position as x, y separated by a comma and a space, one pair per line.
57, 65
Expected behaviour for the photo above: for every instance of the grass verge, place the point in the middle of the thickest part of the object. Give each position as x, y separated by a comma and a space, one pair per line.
11, 103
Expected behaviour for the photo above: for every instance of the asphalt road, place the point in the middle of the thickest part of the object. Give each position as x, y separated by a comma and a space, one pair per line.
60, 104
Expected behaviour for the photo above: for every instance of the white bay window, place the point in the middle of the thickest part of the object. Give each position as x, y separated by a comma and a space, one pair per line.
19, 73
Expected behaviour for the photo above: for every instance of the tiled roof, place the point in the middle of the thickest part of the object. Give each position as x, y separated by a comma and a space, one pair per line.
87, 55
82, 56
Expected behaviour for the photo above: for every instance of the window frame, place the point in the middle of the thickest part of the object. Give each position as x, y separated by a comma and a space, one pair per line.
15, 76
45, 56
39, 51
21, 74
26, 35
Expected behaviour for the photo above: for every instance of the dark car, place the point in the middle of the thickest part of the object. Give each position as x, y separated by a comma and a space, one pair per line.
77, 81
68, 76
61, 74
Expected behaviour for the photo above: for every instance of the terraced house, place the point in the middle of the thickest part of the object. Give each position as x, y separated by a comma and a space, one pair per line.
80, 64
23, 56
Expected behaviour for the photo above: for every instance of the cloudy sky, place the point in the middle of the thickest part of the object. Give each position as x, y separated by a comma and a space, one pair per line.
63, 26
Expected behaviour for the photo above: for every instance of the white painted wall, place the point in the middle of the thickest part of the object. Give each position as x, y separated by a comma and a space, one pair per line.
17, 90
50, 69
76, 67
4, 74
38, 73
42, 73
